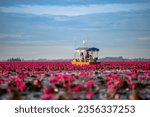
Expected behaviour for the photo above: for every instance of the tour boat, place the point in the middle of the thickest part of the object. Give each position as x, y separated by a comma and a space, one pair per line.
85, 56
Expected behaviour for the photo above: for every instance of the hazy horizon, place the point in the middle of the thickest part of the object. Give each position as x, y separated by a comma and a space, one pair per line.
52, 29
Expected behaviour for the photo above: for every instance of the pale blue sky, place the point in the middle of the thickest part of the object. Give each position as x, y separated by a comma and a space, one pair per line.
51, 29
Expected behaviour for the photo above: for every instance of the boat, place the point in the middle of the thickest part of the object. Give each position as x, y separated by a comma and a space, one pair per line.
85, 56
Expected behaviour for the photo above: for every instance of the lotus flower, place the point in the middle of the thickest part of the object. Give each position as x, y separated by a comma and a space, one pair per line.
52, 80
111, 86
116, 82
89, 95
9, 87
77, 88
1, 81
37, 83
48, 90
89, 84
20, 85
47, 97
132, 85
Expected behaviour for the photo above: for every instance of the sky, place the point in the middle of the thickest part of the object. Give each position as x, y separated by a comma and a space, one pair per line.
52, 29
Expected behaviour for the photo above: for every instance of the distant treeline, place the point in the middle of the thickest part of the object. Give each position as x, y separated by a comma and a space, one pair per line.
14, 59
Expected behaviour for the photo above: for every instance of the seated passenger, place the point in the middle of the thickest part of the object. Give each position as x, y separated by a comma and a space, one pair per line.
90, 58
81, 57
87, 56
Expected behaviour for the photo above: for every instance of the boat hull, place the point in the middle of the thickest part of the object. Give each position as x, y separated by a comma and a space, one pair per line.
84, 63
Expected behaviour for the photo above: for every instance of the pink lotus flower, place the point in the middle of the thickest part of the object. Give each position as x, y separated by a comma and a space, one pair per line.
129, 73
22, 76
130, 78
116, 82
68, 85
53, 80
111, 86
47, 97
89, 84
147, 74
89, 95
69, 79
77, 89
1, 81
143, 78
75, 77
20, 85
100, 72
7, 80
9, 87
36, 82
132, 85
51, 73
48, 90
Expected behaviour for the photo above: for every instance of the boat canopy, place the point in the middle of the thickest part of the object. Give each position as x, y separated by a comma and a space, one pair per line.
93, 49
82, 49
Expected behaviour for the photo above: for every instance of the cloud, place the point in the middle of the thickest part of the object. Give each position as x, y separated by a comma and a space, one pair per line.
146, 38
14, 36
65, 2
74, 10
10, 36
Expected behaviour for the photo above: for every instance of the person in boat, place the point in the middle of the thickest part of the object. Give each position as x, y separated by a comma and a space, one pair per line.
87, 56
81, 57
90, 58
